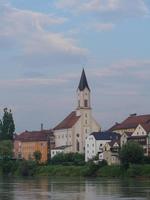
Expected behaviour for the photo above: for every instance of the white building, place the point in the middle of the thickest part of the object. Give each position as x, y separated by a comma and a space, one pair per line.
96, 142
79, 124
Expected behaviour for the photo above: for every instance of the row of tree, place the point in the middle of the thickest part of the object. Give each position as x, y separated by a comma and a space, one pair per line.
7, 125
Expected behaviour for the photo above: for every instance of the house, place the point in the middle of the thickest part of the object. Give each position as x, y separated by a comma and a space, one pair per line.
61, 149
79, 124
130, 124
96, 142
110, 152
140, 135
26, 143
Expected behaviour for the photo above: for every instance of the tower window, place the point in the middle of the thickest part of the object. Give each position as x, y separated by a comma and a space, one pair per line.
86, 103
79, 103
77, 145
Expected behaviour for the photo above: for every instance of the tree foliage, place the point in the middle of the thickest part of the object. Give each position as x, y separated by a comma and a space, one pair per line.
7, 125
6, 149
37, 156
131, 153
68, 159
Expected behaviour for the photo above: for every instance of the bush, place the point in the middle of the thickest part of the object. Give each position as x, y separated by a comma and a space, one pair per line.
27, 168
68, 159
8, 167
131, 153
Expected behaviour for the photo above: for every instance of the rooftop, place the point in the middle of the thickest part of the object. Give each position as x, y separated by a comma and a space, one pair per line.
83, 82
132, 122
68, 122
107, 135
30, 136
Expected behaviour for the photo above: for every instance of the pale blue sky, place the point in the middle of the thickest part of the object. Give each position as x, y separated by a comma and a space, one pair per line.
45, 44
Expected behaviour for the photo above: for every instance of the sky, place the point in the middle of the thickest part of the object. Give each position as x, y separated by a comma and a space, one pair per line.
44, 45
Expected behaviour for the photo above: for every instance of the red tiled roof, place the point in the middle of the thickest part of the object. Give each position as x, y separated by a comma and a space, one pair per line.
34, 136
132, 122
146, 127
68, 122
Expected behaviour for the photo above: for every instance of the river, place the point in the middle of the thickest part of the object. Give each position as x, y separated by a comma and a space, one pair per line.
74, 189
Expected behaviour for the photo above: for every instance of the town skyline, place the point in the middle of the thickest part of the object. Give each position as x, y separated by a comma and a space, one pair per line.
45, 45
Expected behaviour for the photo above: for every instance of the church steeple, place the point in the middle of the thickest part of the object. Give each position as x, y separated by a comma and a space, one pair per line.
83, 93
83, 82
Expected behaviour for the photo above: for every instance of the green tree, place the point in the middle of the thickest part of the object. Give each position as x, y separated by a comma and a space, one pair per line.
7, 125
37, 156
0, 130
6, 149
131, 153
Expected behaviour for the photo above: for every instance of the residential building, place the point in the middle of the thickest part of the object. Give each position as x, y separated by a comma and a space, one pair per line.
130, 124
95, 144
60, 149
110, 152
79, 124
26, 143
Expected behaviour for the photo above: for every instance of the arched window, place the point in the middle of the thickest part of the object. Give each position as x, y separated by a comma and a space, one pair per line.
77, 145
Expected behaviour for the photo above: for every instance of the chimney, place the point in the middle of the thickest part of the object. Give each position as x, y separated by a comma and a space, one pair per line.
132, 115
41, 126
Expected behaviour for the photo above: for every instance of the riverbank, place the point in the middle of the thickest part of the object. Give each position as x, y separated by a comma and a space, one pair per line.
31, 168
93, 170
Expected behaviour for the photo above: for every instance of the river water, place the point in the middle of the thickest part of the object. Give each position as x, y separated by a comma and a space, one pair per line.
74, 189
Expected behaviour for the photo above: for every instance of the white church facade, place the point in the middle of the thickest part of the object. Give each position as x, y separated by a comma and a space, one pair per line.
71, 133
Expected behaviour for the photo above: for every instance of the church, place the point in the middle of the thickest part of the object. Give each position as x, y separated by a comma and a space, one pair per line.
70, 134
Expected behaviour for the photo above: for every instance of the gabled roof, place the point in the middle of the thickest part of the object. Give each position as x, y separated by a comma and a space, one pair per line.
107, 135
114, 142
30, 136
132, 122
146, 127
83, 82
68, 122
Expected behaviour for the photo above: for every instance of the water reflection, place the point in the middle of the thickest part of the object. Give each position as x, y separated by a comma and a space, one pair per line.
6, 189
73, 189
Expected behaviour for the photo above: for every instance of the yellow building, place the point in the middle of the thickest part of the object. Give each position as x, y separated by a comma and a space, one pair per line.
27, 143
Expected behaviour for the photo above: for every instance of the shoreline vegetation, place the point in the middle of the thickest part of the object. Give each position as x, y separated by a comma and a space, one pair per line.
31, 168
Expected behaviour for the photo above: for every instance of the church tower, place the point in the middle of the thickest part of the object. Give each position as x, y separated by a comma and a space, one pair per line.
83, 93
84, 110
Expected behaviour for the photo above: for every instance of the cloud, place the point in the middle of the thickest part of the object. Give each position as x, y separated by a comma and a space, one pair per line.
32, 82
30, 37
136, 68
123, 7
103, 26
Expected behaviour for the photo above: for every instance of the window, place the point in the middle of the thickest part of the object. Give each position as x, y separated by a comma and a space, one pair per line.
79, 103
77, 145
85, 114
85, 103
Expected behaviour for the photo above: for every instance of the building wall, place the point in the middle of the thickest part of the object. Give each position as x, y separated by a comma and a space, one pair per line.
63, 137
139, 131
94, 147
28, 148
122, 131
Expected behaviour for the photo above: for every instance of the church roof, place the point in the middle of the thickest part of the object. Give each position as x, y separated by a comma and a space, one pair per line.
68, 122
132, 122
83, 82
